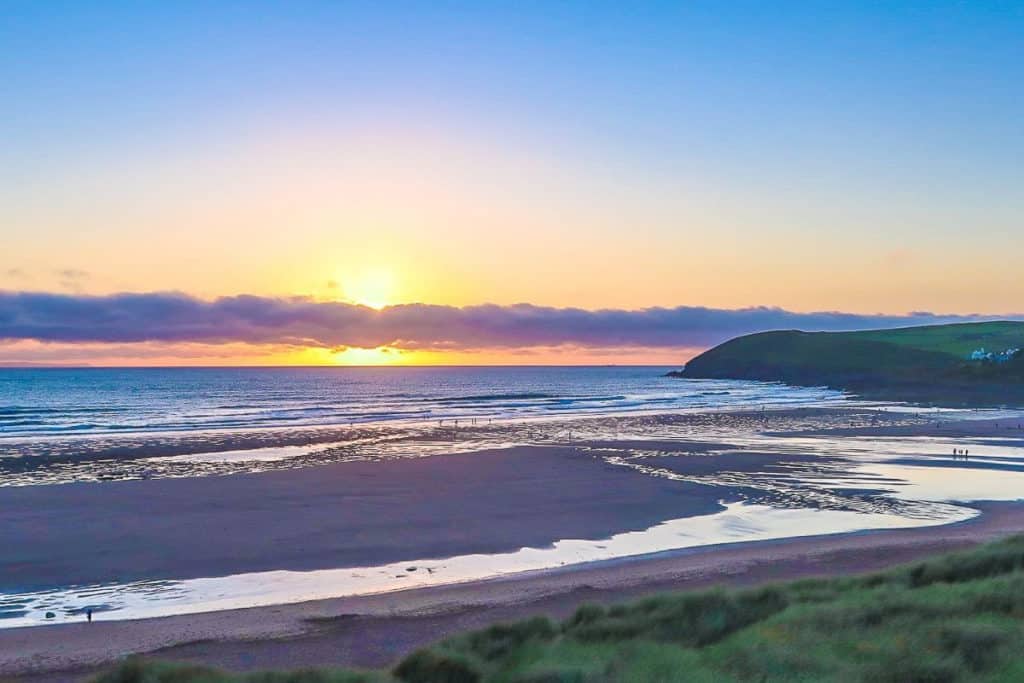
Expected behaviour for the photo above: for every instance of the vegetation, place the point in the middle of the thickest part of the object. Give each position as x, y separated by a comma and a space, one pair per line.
954, 618
927, 364
137, 670
957, 340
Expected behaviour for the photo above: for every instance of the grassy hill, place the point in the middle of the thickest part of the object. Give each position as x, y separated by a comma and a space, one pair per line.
954, 618
957, 340
928, 363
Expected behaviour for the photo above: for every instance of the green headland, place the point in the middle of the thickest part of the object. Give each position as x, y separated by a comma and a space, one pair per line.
958, 364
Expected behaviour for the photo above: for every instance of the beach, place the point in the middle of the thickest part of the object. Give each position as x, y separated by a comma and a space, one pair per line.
342, 514
376, 630
479, 531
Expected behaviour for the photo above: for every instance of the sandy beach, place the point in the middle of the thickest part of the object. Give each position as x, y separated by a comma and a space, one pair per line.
371, 512
376, 630
336, 515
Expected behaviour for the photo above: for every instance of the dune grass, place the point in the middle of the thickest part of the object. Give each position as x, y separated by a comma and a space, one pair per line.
138, 670
953, 618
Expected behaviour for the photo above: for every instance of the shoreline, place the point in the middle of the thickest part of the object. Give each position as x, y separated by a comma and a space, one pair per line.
333, 631
314, 517
143, 444
122, 457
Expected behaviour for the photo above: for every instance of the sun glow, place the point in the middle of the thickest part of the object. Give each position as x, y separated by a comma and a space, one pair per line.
373, 287
381, 355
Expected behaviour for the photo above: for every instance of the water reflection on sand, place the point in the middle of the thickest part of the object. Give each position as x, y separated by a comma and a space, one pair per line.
737, 522
788, 474
55, 461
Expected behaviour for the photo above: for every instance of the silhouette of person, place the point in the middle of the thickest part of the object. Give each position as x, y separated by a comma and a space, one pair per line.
88, 614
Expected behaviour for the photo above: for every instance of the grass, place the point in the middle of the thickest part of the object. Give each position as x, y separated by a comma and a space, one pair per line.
956, 340
952, 618
138, 670
927, 364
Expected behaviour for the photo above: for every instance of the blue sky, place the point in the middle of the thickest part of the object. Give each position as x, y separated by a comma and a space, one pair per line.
862, 157
743, 87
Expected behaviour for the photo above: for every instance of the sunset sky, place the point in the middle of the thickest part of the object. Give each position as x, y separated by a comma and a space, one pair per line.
554, 182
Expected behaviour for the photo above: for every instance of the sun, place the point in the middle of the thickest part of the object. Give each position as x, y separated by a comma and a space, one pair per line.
373, 287
379, 356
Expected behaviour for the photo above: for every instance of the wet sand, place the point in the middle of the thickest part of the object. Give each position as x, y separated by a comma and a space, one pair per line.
349, 514
370, 512
94, 458
376, 630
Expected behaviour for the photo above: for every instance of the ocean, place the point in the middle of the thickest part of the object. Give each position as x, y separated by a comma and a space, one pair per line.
45, 402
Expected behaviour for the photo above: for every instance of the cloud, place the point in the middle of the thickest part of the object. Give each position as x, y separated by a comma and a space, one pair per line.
72, 279
31, 352
178, 318
72, 274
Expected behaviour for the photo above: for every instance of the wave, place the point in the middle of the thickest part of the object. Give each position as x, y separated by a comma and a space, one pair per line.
112, 403
17, 411
6, 424
479, 398
569, 400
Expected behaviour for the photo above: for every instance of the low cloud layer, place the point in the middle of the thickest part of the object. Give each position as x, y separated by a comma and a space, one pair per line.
177, 318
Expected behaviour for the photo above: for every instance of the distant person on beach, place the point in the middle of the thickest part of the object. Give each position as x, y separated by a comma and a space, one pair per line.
88, 615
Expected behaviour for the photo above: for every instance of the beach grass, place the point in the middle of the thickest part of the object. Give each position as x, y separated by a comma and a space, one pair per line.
953, 618
138, 670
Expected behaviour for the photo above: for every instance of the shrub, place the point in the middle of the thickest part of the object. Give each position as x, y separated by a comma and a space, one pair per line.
978, 645
429, 666
496, 641
686, 619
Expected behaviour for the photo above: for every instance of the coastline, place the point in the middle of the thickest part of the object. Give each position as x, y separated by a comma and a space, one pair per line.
374, 630
94, 458
488, 500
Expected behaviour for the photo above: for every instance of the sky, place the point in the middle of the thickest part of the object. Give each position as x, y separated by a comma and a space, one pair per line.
529, 182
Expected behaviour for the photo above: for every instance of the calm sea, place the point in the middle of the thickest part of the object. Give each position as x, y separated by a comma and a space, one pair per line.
46, 402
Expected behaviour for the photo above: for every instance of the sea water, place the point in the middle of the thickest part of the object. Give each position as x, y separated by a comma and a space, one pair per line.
107, 401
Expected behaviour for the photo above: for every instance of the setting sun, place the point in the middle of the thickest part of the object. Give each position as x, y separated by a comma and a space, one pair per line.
379, 356
372, 287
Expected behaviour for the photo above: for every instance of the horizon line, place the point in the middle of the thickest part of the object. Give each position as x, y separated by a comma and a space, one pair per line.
29, 366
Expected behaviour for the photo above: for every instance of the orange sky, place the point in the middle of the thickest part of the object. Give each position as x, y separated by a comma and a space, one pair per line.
578, 156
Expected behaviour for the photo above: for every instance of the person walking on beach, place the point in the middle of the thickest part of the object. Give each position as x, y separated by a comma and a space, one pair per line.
88, 614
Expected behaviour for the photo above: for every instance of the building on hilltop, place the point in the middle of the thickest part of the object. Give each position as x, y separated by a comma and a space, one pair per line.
1000, 357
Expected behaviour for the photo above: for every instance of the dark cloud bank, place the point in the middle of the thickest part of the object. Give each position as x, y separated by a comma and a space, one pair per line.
173, 317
